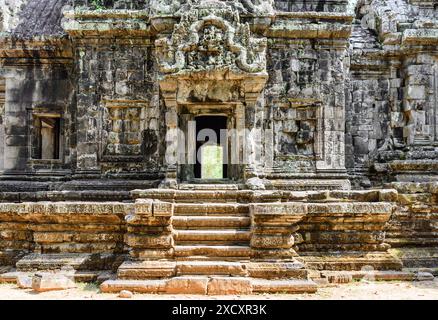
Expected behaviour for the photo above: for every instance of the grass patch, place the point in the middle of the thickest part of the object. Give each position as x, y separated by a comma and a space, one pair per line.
89, 286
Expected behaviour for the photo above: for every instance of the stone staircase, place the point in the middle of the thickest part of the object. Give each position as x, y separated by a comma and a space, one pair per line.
212, 239
212, 233
212, 255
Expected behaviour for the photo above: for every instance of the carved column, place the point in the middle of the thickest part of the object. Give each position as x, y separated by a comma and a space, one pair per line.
170, 164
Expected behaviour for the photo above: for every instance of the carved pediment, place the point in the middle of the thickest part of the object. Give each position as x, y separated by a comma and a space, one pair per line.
176, 7
211, 37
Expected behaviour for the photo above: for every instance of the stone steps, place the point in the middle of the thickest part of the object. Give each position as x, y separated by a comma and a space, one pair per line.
212, 236
209, 285
283, 286
209, 209
191, 222
209, 268
210, 187
212, 239
193, 196
212, 255
211, 251
141, 270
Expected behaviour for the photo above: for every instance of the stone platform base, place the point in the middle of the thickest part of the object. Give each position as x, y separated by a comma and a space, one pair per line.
309, 184
349, 276
74, 261
211, 285
418, 257
348, 261
85, 276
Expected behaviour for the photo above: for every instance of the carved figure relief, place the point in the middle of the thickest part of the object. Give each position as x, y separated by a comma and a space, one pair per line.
123, 131
210, 36
297, 131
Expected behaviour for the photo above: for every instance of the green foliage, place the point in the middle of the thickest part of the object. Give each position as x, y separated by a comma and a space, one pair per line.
212, 162
98, 4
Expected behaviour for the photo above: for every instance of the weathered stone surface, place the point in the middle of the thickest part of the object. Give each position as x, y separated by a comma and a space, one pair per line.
273, 209
350, 260
146, 269
9, 277
187, 285
140, 286
339, 278
149, 241
424, 276
229, 285
355, 226
268, 270
272, 241
285, 286
368, 275
74, 261
211, 268
24, 281
42, 282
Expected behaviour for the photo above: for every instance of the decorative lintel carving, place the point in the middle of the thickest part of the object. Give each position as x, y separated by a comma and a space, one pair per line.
210, 37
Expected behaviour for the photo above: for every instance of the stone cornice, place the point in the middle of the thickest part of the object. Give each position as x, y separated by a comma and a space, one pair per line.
317, 15
420, 36
304, 30
37, 50
312, 24
80, 23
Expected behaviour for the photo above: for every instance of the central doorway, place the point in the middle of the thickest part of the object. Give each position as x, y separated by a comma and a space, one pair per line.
211, 147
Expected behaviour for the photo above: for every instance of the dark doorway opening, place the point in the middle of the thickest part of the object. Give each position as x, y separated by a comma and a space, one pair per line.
46, 138
211, 142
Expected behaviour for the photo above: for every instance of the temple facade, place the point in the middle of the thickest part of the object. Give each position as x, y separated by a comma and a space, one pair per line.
216, 146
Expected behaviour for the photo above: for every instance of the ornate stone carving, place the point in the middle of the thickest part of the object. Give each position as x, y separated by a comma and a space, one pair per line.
298, 132
171, 7
211, 37
124, 133
165, 7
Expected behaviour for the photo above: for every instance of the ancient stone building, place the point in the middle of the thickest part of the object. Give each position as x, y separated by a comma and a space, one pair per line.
218, 146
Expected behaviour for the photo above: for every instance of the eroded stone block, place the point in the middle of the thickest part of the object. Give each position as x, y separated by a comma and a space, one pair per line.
42, 282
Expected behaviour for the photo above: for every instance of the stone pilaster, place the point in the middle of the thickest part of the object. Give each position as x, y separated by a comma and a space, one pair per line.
273, 228
88, 114
272, 240
168, 91
149, 230
253, 148
419, 103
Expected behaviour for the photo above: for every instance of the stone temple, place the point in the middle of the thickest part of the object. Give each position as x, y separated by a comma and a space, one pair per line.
219, 147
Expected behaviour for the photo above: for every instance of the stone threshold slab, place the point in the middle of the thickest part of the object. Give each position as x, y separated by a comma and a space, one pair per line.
210, 286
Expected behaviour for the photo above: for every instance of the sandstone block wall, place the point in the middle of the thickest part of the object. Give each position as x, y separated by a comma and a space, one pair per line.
356, 226
415, 220
62, 227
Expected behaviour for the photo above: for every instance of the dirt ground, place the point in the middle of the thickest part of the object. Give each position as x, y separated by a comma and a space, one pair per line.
356, 290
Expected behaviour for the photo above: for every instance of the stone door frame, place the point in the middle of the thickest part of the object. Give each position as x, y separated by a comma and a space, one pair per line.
234, 112
251, 86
